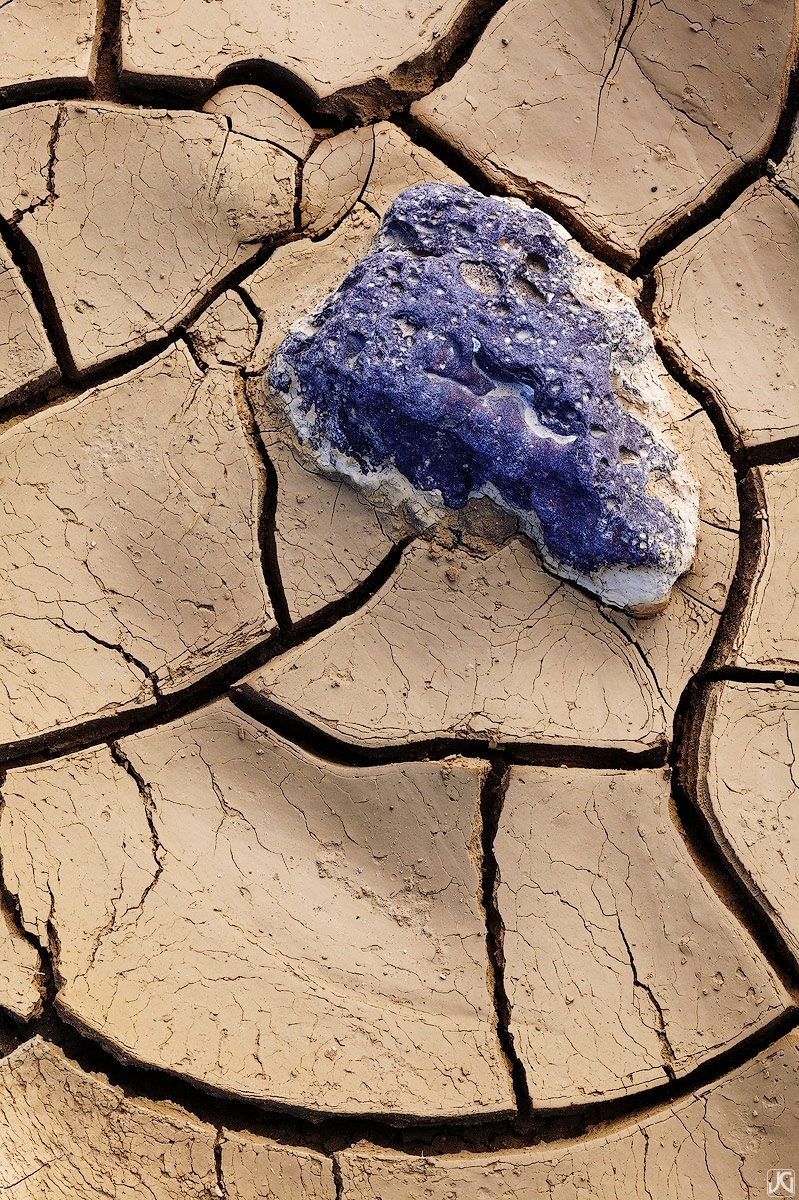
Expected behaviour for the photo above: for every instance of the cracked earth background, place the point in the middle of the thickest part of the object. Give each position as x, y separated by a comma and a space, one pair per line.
335, 863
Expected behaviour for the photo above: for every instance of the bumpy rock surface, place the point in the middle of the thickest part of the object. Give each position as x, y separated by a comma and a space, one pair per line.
328, 538
443, 648
468, 355
621, 966
299, 933
242, 869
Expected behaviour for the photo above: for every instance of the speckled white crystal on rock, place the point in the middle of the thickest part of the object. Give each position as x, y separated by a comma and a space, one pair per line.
474, 352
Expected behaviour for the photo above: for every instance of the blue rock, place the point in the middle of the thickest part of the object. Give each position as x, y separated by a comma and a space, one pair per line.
466, 354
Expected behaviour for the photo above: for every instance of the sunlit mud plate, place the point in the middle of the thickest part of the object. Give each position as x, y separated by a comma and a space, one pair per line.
474, 351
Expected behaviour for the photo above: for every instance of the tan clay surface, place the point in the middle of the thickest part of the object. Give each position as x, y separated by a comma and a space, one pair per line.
263, 936
259, 114
254, 1168
331, 48
327, 538
620, 966
26, 359
146, 211
722, 1142
129, 547
443, 650
46, 40
225, 335
786, 172
626, 115
21, 976
733, 285
265, 923
70, 1135
768, 634
748, 784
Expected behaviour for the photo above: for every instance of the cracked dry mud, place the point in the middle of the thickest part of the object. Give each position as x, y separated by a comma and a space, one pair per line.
337, 860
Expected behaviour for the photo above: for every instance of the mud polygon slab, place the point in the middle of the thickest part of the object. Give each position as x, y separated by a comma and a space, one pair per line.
371, 166
299, 275
622, 966
129, 546
334, 177
225, 335
462, 647
732, 285
70, 1133
260, 114
624, 115
146, 210
21, 975
748, 786
327, 538
722, 1141
264, 923
46, 42
26, 359
768, 634
255, 1168
353, 58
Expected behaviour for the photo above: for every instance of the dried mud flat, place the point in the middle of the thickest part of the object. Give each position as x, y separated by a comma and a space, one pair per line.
337, 863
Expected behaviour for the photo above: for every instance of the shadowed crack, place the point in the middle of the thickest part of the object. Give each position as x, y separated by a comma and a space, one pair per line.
106, 84
324, 745
145, 792
491, 803
221, 1187
424, 1137
660, 1030
270, 563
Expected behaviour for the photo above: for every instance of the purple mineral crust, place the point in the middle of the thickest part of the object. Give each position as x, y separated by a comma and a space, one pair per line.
463, 356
